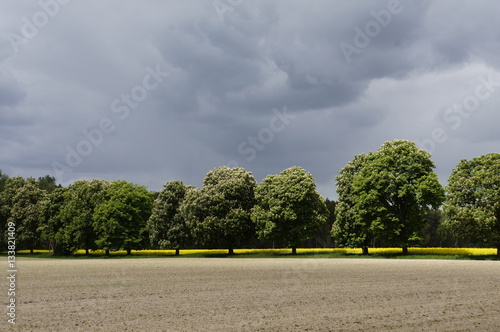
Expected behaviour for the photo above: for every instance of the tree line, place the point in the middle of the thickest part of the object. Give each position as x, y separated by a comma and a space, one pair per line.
391, 197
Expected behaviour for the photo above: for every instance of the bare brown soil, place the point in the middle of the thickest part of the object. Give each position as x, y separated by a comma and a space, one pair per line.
282, 294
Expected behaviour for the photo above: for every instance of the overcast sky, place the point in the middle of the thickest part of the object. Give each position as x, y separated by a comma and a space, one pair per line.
156, 91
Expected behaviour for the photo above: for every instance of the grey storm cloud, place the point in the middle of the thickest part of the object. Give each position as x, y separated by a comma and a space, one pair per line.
75, 90
11, 91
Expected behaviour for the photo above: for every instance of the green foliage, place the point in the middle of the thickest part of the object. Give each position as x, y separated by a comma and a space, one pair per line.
77, 213
391, 196
11, 186
21, 201
473, 200
10, 189
288, 209
191, 212
386, 195
25, 214
120, 219
167, 229
47, 183
3, 179
325, 238
52, 226
351, 228
330, 205
219, 213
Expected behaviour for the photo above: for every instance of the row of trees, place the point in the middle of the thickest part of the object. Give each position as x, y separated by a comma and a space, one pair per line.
394, 195
89, 214
391, 197
229, 211
20, 204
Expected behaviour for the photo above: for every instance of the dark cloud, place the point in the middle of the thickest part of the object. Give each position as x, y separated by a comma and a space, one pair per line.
228, 74
11, 91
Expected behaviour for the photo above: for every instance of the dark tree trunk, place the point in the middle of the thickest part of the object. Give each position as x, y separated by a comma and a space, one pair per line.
405, 250
230, 251
31, 251
365, 250
294, 251
107, 252
498, 250
177, 252
129, 252
86, 251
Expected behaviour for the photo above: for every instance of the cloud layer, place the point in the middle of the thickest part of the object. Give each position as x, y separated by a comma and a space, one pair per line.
157, 91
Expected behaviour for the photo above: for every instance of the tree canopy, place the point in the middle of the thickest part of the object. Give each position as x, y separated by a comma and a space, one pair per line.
3, 179
167, 229
352, 227
52, 226
25, 214
288, 208
390, 197
77, 214
473, 200
392, 191
120, 219
219, 213
47, 183
7, 201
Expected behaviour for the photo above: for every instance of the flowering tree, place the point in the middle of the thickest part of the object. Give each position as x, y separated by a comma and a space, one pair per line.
10, 187
473, 200
289, 209
25, 214
218, 214
167, 229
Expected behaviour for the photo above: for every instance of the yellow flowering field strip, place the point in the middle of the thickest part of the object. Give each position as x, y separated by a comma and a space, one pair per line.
261, 251
380, 251
34, 251
452, 251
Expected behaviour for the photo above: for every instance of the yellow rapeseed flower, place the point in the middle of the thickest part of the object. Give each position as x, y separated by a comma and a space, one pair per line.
383, 251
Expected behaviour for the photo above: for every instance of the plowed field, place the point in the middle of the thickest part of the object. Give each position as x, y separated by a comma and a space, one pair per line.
252, 294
